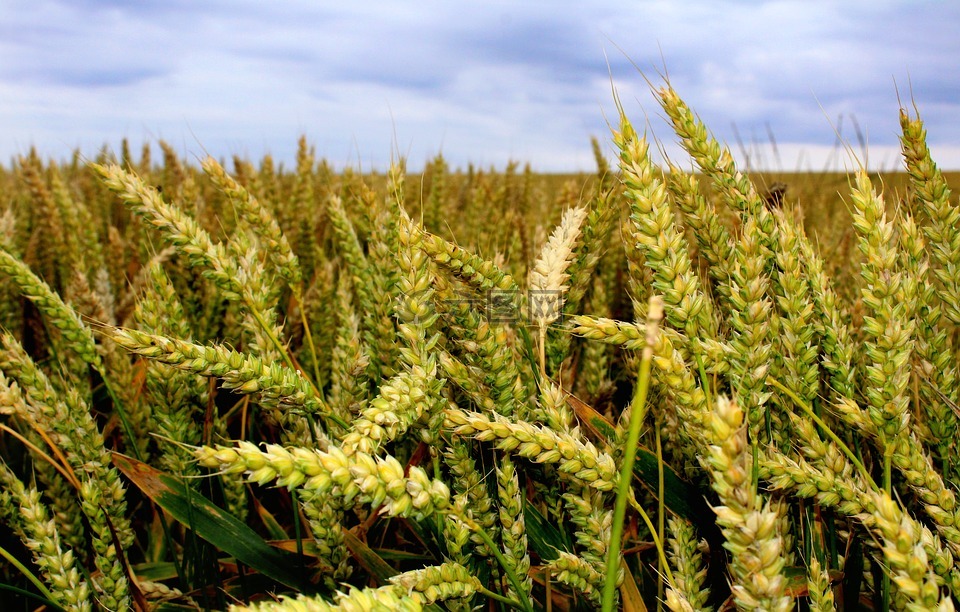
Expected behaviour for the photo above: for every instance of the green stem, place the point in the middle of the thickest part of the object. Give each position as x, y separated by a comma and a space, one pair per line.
46, 602
543, 351
661, 514
829, 432
295, 499
273, 337
704, 381
498, 597
308, 335
288, 361
29, 575
888, 487
507, 568
121, 413
657, 541
637, 409
888, 469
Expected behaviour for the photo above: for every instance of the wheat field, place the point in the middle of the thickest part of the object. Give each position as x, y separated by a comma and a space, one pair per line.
658, 386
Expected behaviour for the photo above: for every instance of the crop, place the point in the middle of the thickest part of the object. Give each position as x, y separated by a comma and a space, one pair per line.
308, 390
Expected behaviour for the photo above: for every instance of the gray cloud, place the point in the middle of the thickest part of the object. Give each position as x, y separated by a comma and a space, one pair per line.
483, 81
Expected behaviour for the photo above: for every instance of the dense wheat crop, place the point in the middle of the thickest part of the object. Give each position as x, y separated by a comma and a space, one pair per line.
655, 386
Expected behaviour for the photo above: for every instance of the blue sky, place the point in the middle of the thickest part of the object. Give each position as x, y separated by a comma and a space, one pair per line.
483, 82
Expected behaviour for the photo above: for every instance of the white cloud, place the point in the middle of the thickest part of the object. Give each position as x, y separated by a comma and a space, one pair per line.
486, 82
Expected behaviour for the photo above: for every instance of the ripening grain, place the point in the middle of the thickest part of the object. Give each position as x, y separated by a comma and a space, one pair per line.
308, 390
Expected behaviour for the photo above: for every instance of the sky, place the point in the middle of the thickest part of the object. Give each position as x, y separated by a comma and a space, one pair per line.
480, 82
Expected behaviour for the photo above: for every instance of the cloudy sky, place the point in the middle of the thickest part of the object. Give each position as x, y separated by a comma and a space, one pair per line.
483, 82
